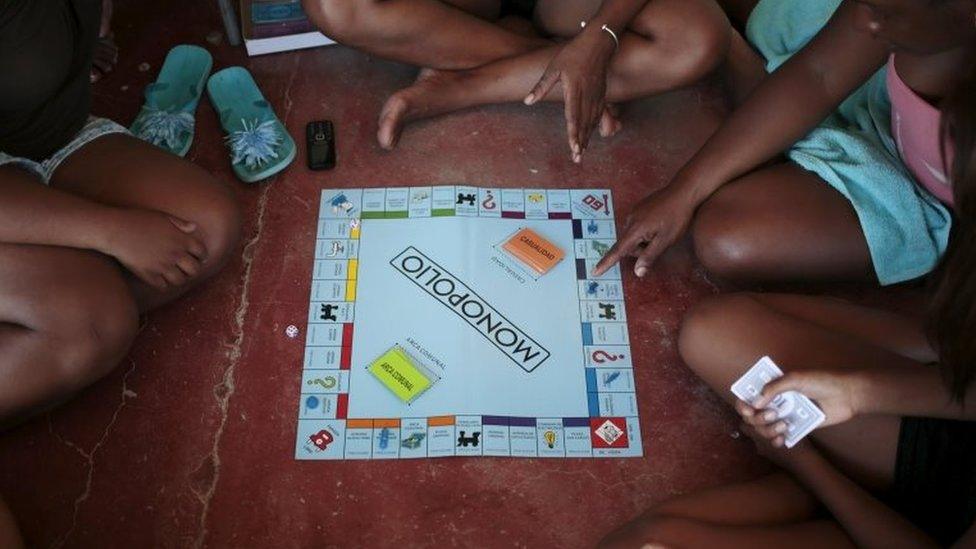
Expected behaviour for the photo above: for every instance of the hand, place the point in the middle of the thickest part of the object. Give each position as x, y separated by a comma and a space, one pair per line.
656, 223
581, 65
160, 249
834, 391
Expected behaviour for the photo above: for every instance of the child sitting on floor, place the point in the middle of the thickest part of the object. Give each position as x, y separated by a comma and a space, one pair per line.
862, 193
895, 462
96, 226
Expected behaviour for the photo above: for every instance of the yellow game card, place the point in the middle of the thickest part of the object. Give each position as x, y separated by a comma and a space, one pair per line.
532, 249
396, 370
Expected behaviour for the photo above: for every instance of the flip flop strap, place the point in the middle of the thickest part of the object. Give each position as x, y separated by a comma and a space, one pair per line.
257, 143
155, 90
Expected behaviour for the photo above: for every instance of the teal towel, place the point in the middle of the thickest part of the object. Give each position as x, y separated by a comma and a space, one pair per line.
907, 229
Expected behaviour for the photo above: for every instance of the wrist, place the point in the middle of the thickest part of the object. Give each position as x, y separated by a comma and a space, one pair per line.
106, 223
859, 384
598, 39
687, 190
807, 463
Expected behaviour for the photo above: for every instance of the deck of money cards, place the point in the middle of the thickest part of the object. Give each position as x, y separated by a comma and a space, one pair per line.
799, 413
465, 321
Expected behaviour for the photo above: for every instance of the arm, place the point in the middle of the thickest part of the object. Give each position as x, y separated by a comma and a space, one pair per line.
866, 520
159, 249
781, 110
31, 213
786, 106
581, 65
616, 14
909, 391
898, 390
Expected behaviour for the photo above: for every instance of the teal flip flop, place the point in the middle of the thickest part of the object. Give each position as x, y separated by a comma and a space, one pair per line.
259, 143
167, 117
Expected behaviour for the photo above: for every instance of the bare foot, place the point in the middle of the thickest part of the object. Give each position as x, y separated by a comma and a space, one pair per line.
610, 120
434, 92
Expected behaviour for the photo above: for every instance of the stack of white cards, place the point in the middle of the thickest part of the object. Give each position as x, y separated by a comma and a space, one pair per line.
799, 412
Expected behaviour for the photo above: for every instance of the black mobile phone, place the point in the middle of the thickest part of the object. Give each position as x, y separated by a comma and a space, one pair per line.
320, 138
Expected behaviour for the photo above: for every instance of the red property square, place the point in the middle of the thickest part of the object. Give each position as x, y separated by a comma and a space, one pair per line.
608, 432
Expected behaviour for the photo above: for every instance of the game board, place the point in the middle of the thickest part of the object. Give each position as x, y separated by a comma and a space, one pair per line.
526, 365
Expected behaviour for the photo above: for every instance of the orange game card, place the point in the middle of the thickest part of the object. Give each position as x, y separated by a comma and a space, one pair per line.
533, 250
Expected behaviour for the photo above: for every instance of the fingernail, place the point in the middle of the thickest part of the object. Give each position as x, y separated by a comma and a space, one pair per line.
641, 271
576, 148
781, 428
529, 99
576, 158
770, 415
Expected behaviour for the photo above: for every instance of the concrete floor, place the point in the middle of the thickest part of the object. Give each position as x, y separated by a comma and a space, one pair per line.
190, 441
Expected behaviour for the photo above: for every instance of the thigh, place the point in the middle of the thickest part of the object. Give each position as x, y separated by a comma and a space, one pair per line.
67, 317
899, 333
781, 223
121, 170
60, 290
772, 499
723, 337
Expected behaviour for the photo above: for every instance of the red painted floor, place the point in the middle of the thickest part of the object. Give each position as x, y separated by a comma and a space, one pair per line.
190, 441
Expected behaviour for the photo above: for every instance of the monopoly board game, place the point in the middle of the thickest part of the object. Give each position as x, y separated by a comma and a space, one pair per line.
517, 363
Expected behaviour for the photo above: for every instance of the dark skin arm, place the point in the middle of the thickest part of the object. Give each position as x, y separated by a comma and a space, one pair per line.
581, 65
159, 249
784, 108
897, 390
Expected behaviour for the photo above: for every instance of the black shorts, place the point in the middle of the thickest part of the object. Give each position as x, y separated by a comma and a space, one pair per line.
935, 476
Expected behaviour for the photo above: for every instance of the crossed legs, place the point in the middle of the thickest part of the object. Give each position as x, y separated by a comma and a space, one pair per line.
67, 316
723, 337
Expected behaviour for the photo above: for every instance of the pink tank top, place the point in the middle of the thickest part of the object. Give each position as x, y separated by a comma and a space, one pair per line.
915, 125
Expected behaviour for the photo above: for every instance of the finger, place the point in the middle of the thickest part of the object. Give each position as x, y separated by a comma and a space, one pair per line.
583, 122
648, 255
772, 430
542, 87
617, 252
196, 248
593, 115
768, 416
189, 265
779, 442
744, 409
182, 224
571, 110
756, 420
789, 382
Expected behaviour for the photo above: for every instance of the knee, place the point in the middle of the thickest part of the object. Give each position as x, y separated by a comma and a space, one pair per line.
340, 20
707, 44
695, 40
722, 243
91, 328
710, 329
220, 223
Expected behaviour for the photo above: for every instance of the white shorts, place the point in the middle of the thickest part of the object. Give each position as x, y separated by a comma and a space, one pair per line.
94, 128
